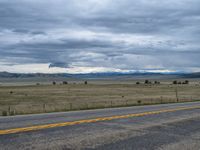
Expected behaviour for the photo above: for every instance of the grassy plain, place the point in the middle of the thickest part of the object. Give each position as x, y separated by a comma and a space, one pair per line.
32, 98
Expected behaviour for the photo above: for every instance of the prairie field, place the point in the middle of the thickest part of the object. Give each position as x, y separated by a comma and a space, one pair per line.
26, 99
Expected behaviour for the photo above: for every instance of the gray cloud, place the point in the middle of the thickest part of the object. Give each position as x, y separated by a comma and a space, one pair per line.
129, 34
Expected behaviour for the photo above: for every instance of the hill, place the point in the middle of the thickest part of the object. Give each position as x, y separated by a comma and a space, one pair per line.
100, 75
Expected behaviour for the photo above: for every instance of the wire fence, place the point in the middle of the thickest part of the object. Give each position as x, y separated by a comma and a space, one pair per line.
18, 109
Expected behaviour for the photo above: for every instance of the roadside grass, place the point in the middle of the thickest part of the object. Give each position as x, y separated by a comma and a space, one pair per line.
32, 99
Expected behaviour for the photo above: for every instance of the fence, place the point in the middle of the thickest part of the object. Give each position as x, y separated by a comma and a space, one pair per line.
58, 107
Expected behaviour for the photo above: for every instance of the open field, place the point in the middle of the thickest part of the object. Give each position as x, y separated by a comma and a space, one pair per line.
27, 99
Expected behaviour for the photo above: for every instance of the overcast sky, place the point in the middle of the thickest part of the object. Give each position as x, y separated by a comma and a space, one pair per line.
81, 36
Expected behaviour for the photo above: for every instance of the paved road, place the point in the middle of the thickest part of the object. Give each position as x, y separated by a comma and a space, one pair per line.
161, 127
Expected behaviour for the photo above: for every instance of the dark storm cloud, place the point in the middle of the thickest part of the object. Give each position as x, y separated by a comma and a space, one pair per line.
59, 64
128, 34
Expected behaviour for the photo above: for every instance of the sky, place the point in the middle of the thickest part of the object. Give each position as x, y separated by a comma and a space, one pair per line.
84, 36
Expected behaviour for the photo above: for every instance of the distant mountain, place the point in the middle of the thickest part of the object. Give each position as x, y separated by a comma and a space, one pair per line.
191, 75
29, 75
100, 75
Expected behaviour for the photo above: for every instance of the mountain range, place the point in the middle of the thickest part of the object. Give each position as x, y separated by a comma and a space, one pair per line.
100, 75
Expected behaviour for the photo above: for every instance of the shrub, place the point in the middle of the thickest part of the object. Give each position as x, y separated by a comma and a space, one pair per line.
137, 82
54, 83
156, 82
4, 113
186, 82
86, 82
175, 82
146, 81
65, 82
12, 113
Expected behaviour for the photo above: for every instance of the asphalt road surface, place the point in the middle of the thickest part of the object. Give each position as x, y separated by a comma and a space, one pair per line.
158, 127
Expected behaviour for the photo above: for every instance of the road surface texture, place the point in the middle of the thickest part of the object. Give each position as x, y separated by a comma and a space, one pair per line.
158, 127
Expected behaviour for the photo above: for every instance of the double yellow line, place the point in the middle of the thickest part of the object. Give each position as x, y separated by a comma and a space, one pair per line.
40, 127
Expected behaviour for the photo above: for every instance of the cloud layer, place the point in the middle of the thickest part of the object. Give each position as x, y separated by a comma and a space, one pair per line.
77, 36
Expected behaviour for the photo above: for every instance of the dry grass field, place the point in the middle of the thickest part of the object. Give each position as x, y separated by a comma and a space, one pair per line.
51, 98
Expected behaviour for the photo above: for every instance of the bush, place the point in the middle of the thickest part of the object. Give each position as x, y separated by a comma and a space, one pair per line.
86, 82
65, 82
54, 83
137, 83
156, 82
175, 82
186, 82
4, 113
12, 113
146, 82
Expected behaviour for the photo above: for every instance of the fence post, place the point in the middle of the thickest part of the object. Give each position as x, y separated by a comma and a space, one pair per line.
44, 108
65, 106
87, 107
70, 106
9, 110
177, 99
14, 110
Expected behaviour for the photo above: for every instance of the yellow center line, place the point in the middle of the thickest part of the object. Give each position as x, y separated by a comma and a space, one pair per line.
40, 127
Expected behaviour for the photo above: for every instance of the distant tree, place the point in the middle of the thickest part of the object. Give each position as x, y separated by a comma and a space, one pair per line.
186, 82
156, 82
179, 82
175, 82
54, 83
4, 113
37, 83
65, 82
137, 82
86, 82
146, 81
